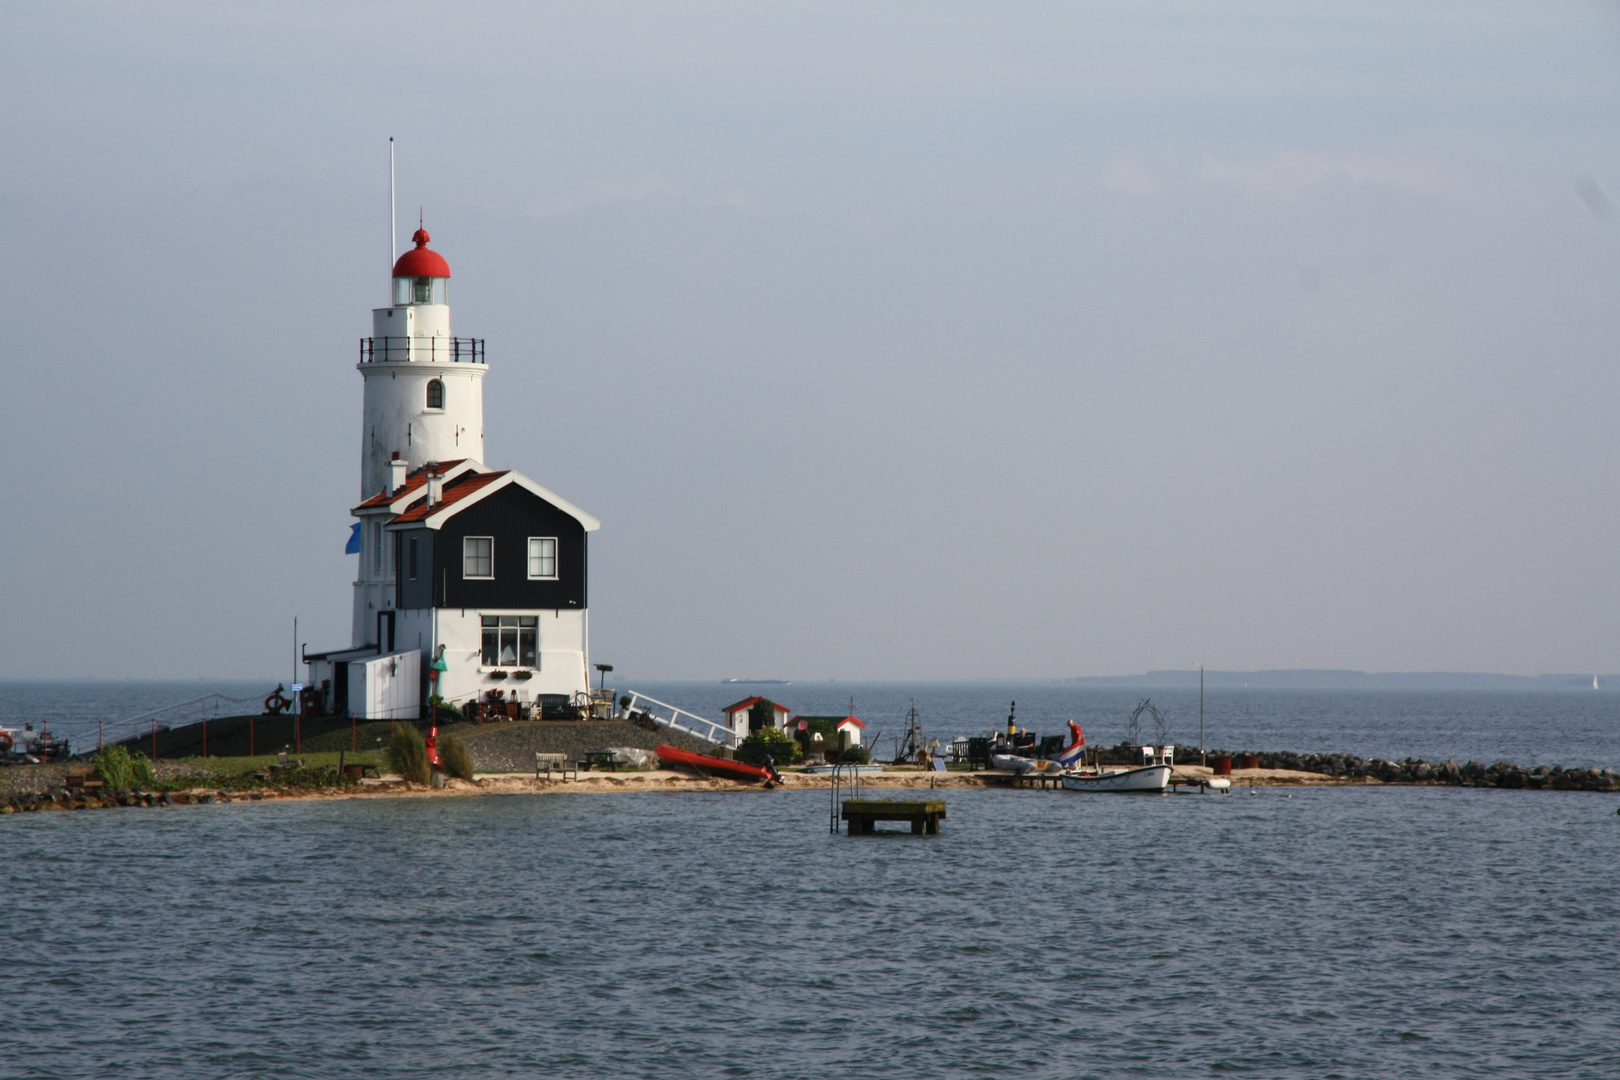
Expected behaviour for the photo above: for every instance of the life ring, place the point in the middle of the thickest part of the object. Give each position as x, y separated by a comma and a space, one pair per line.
277, 703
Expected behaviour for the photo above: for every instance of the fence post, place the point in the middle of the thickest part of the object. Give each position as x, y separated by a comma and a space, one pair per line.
154, 740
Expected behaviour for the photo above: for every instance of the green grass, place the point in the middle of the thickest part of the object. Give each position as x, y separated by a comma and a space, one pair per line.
262, 762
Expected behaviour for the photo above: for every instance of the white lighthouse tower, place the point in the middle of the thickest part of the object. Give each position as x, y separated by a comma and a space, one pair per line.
424, 397
424, 402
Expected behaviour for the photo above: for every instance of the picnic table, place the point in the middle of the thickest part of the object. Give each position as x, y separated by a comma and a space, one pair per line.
604, 758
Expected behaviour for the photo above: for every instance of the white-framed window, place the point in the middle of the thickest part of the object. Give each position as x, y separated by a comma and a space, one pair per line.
478, 557
511, 641
435, 394
542, 558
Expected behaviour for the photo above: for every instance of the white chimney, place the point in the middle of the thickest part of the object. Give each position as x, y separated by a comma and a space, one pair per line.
435, 484
396, 473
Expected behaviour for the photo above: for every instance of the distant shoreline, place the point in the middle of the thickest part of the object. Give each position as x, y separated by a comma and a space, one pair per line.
1327, 679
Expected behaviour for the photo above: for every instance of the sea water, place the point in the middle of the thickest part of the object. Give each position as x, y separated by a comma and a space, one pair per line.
1527, 727
1351, 932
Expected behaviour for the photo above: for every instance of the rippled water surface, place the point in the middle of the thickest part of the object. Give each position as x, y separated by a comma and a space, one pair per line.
1304, 933
1527, 727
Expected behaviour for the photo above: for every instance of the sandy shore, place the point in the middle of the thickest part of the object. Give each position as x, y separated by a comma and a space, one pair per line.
659, 780
664, 780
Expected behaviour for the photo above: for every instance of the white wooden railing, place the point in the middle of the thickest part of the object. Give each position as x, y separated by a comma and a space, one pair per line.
681, 720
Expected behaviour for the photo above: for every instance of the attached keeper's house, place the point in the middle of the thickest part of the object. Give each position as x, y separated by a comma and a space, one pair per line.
470, 579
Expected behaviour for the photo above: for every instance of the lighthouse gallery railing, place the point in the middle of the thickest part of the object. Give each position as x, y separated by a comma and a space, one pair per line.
421, 350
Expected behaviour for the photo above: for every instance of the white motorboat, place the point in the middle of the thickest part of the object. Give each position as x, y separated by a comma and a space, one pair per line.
1152, 776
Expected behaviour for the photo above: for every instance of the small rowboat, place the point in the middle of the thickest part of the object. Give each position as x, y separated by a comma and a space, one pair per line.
686, 761
1153, 775
1149, 778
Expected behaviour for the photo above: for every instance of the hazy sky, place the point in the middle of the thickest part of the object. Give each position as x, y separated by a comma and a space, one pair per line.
887, 340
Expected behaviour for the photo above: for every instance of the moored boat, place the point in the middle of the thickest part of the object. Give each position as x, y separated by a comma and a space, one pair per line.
1150, 777
823, 770
686, 761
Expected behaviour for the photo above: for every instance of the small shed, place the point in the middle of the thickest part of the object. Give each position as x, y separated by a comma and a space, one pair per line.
832, 727
738, 716
852, 727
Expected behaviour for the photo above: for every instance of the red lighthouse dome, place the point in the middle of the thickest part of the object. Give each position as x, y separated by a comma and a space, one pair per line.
420, 261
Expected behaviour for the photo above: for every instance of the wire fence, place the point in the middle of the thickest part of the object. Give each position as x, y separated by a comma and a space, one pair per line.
93, 714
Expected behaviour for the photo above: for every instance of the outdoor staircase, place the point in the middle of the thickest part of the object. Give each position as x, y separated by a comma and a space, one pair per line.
677, 719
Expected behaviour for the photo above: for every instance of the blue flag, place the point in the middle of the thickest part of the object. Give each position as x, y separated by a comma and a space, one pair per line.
353, 546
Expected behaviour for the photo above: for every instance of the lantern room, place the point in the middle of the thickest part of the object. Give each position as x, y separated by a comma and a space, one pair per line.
421, 276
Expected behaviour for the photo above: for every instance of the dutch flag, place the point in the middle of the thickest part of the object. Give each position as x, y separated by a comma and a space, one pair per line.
1075, 750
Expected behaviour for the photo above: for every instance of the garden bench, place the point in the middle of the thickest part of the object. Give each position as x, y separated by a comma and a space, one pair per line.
547, 763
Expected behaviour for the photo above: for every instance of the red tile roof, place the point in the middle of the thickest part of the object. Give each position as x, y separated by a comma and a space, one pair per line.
454, 492
413, 481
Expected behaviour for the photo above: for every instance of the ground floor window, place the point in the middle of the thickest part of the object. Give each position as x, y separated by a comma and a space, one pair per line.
511, 641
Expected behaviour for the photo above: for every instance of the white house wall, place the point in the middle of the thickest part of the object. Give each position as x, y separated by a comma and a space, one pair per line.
564, 664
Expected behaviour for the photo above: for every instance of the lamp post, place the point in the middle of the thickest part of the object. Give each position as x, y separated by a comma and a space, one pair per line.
604, 669
1201, 758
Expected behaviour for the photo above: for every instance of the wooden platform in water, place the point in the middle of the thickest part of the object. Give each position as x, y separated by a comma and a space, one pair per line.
864, 814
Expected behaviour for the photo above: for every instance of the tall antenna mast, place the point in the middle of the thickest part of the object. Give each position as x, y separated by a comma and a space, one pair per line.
393, 214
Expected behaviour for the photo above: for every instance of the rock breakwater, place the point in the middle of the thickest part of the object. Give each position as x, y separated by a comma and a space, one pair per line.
1412, 770
57, 798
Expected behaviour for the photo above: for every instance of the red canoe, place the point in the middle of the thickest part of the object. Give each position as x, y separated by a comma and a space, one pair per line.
670, 757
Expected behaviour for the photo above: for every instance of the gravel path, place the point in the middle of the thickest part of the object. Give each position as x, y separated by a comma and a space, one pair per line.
511, 747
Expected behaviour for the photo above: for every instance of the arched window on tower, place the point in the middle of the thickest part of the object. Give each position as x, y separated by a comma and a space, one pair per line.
435, 394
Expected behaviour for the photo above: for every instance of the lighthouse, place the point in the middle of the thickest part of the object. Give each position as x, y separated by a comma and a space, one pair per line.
424, 392
471, 582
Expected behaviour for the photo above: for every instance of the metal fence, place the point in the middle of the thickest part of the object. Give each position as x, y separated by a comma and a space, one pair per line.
421, 350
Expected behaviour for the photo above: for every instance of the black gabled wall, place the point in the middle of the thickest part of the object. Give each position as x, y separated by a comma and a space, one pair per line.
511, 516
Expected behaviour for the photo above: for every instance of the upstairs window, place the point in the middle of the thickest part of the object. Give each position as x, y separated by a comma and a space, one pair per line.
542, 558
510, 640
435, 394
411, 557
478, 557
